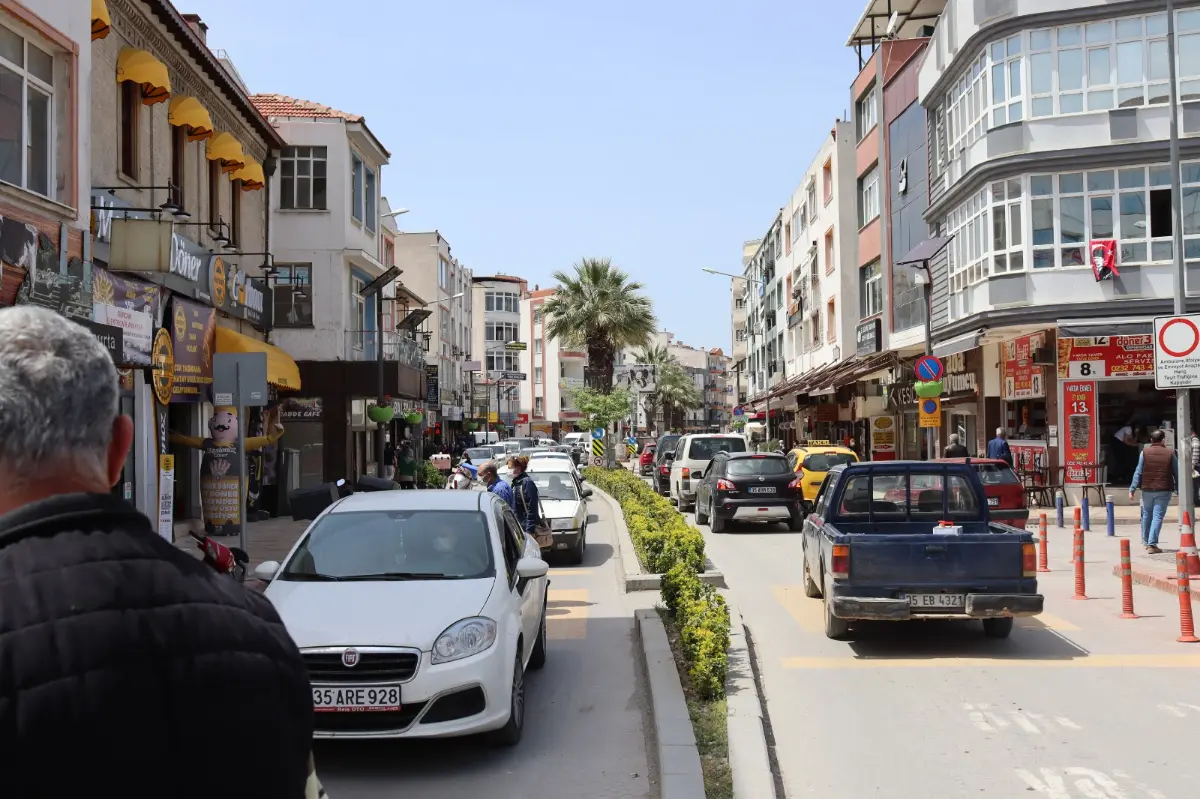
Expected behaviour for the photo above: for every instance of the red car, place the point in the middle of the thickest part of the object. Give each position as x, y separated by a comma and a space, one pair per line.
646, 459
1005, 494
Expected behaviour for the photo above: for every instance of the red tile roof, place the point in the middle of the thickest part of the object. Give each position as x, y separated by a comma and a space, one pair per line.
280, 105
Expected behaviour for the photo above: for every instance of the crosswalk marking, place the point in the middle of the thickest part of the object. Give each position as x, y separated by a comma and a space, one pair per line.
985, 719
567, 614
1086, 662
804, 611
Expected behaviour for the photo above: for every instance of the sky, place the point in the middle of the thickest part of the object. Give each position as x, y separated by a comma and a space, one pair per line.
534, 133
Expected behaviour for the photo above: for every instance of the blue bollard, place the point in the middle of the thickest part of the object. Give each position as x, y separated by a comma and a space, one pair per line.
1058, 506
1112, 522
1085, 512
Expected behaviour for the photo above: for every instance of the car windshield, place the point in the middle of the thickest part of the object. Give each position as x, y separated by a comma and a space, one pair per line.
703, 449
478, 454
555, 485
824, 461
394, 545
667, 444
995, 474
756, 466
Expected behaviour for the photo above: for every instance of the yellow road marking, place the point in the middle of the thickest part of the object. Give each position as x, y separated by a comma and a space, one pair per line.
567, 614
1048, 621
804, 611
1085, 662
567, 572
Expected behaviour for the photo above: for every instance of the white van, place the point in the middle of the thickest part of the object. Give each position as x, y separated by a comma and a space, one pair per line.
486, 437
693, 453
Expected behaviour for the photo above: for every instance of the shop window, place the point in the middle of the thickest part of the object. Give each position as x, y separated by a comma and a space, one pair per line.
131, 106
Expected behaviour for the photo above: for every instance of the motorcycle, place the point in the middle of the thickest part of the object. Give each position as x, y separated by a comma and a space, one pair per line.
222, 559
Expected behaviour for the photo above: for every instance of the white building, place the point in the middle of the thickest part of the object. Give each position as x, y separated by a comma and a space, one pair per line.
499, 306
552, 371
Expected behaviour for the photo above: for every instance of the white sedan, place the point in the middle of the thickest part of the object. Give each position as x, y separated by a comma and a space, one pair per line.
417, 612
564, 457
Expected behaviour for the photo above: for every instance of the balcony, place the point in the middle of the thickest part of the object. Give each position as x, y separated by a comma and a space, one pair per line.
360, 346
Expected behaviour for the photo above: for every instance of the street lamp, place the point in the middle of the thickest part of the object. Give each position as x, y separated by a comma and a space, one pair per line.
395, 213
375, 289
762, 326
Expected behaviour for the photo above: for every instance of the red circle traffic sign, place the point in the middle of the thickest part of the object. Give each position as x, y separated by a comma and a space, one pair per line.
1185, 351
928, 368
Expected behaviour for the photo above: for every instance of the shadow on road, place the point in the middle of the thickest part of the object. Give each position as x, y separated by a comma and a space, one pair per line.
596, 554
958, 639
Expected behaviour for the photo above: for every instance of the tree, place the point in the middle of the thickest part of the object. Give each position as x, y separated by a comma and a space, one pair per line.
601, 408
656, 356
601, 309
676, 392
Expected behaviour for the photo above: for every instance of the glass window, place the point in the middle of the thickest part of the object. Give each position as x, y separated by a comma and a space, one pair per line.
758, 465
824, 461
856, 497
369, 195
29, 142
703, 449
356, 188
868, 196
871, 290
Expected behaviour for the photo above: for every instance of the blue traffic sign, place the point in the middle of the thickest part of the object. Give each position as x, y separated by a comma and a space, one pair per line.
598, 432
739, 411
929, 406
928, 368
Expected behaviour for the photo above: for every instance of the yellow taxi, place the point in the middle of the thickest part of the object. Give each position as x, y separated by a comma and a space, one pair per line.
811, 460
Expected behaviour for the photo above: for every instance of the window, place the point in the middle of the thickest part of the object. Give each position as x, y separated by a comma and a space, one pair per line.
870, 290
214, 193
966, 107
1007, 91
829, 254
827, 180
178, 162
503, 362
389, 253
293, 295
866, 113
796, 223
537, 346
505, 301
787, 238
443, 267
28, 142
131, 103
356, 188
500, 331
371, 219
967, 259
810, 202
831, 320
538, 407
358, 312
868, 196
235, 214
537, 316
1008, 253
302, 178
537, 375
741, 335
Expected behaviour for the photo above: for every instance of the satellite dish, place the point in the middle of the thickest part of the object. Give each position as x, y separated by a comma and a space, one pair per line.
893, 25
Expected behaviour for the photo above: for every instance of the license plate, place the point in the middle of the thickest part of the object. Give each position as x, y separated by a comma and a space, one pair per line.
356, 699
937, 600
762, 490
993, 502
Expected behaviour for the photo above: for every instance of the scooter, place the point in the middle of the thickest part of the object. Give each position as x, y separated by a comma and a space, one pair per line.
222, 559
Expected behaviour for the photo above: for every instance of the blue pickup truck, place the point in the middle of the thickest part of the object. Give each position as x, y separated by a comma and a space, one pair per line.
901, 540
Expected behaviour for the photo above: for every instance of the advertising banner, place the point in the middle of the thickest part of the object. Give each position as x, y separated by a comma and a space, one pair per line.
883, 438
1099, 357
1079, 444
301, 409
193, 330
1019, 376
1029, 456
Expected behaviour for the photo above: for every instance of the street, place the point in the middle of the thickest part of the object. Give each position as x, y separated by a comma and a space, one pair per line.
585, 733
1077, 703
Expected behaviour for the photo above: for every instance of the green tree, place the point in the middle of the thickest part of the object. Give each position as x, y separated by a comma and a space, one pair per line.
677, 393
601, 408
656, 356
600, 308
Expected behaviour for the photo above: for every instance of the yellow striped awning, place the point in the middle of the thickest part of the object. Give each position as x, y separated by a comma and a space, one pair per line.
282, 371
147, 71
188, 112
251, 175
101, 21
228, 150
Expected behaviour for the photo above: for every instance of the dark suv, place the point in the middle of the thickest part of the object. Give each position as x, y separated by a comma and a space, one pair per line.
749, 487
662, 469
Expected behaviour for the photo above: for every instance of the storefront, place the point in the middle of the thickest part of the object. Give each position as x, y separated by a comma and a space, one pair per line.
961, 412
1027, 386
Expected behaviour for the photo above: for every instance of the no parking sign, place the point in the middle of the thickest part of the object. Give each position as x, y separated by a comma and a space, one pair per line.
1177, 351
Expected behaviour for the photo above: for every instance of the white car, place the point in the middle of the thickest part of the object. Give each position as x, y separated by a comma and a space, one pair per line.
562, 495
540, 455
693, 453
417, 613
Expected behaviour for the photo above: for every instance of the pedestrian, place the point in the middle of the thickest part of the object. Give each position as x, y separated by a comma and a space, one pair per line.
1157, 474
1123, 448
389, 460
118, 647
489, 474
955, 447
528, 506
406, 467
998, 449
459, 478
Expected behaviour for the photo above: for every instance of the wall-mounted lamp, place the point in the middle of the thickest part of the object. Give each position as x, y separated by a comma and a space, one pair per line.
170, 206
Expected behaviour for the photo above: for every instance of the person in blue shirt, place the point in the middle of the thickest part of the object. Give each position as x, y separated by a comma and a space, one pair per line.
998, 449
487, 473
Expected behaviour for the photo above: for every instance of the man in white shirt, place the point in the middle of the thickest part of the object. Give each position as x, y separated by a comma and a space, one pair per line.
1123, 449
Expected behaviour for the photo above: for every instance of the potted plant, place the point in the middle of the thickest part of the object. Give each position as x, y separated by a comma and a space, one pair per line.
381, 413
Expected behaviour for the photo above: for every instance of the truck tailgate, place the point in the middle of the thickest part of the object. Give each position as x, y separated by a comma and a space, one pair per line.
934, 560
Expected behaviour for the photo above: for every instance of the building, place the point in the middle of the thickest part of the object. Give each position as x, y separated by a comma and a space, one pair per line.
1055, 185
739, 291
719, 390
552, 372
497, 303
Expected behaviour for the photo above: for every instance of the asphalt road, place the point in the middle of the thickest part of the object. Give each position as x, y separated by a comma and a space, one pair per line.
1077, 703
586, 724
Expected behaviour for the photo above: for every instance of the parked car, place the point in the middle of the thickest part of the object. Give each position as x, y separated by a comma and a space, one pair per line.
646, 459
901, 540
813, 460
548, 455
561, 491
692, 456
662, 462
417, 612
748, 487
1006, 498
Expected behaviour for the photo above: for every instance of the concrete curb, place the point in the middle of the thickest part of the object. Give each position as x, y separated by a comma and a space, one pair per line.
748, 753
635, 579
1156, 581
680, 775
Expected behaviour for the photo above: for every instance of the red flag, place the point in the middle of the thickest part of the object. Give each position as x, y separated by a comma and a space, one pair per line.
1103, 255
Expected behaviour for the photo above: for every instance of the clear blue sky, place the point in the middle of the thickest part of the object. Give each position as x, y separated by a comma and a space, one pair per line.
532, 133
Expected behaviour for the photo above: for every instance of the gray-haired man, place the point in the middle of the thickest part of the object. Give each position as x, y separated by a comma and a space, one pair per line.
118, 647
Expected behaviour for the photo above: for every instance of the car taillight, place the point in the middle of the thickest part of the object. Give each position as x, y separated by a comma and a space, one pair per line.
839, 566
797, 484
1028, 560
725, 485
685, 473
664, 470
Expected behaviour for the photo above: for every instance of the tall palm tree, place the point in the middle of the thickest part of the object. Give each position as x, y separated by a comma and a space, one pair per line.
600, 308
677, 393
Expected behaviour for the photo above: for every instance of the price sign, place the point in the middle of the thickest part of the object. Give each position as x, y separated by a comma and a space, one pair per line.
1086, 370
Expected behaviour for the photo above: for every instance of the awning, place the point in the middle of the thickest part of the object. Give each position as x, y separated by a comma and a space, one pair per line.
282, 371
101, 21
188, 112
251, 175
1123, 326
228, 150
145, 70
967, 341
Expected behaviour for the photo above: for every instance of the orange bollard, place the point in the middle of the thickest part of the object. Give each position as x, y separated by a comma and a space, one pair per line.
1080, 576
1187, 629
1126, 582
1079, 517
1187, 545
1043, 554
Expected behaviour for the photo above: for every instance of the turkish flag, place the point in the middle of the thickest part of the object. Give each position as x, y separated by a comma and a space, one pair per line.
1103, 255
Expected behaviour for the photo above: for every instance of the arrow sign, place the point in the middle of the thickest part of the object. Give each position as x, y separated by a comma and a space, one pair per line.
928, 368
598, 432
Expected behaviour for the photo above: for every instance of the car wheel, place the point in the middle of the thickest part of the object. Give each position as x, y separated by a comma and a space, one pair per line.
998, 628
580, 546
835, 628
510, 733
715, 522
538, 658
811, 589
702, 516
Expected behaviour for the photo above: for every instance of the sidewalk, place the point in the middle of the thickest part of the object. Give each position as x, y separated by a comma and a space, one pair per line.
266, 540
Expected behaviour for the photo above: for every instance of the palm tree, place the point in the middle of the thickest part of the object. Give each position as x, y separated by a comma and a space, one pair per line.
602, 309
656, 356
677, 393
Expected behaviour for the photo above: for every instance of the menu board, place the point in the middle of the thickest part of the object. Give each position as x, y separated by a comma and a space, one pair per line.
883, 438
1020, 377
1080, 447
1096, 357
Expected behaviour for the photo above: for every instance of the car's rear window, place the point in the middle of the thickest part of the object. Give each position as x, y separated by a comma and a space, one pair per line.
753, 467
667, 444
993, 474
917, 495
703, 449
478, 454
824, 461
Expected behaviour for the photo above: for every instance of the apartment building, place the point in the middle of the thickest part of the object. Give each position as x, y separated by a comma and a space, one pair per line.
499, 303
552, 371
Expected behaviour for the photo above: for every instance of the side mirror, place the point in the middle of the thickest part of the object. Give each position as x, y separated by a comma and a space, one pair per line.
587, 492
530, 568
267, 570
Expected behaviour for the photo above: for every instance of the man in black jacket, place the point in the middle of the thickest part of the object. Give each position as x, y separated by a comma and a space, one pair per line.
126, 665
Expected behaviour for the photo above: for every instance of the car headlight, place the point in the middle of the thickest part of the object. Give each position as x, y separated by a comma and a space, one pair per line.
463, 639
562, 524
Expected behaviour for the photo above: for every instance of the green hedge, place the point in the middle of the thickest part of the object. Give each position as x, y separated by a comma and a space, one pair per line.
666, 544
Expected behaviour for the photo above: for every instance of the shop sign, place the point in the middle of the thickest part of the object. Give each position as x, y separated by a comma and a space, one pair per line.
166, 497
302, 409
1029, 456
869, 337
1098, 357
883, 438
110, 338
432, 394
957, 379
1020, 377
193, 331
126, 292
235, 292
1079, 445
137, 328
522, 418
162, 358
